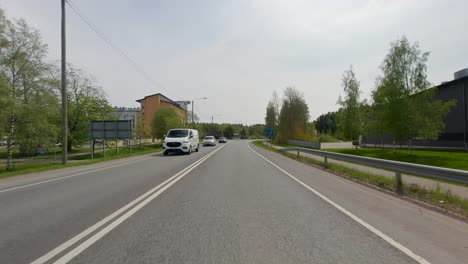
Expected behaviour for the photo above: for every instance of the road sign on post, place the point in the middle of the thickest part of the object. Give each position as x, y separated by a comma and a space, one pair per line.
269, 133
110, 129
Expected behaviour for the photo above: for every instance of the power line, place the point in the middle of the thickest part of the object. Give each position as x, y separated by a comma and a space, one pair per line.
114, 46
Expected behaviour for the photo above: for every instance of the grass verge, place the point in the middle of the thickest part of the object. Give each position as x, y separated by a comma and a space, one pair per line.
455, 159
124, 152
444, 200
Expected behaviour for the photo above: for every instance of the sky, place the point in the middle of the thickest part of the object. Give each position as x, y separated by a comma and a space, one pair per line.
236, 53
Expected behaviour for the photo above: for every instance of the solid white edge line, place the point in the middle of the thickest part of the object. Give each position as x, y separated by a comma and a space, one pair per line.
374, 230
73, 175
93, 239
105, 220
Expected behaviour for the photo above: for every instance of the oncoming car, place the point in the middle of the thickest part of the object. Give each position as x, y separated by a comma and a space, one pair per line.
181, 140
222, 140
209, 141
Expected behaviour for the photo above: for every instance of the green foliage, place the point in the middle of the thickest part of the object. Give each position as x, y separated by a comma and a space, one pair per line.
86, 102
243, 134
228, 132
271, 121
29, 101
29, 87
403, 104
327, 123
326, 137
350, 117
165, 118
294, 115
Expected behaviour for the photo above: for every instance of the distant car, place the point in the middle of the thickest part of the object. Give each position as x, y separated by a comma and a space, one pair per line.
222, 140
209, 141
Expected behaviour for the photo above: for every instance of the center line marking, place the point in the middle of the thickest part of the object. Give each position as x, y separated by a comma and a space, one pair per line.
161, 187
374, 230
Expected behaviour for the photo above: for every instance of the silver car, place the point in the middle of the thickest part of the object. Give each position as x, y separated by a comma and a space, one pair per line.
209, 141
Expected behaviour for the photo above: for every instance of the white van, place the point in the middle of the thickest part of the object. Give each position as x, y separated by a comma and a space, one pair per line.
181, 140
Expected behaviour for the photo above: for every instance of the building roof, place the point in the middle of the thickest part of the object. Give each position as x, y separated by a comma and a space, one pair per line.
451, 82
162, 98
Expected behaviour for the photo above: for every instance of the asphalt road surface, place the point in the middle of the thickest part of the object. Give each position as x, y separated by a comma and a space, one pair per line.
232, 203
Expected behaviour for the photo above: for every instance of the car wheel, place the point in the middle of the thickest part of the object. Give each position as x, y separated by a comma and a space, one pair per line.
198, 148
165, 153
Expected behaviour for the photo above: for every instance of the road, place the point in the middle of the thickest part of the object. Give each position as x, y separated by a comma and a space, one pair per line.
233, 203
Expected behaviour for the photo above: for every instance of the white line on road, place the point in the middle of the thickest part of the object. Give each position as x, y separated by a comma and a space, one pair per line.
161, 187
73, 175
374, 230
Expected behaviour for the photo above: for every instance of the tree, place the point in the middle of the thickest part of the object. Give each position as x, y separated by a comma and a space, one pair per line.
228, 132
86, 102
350, 118
327, 123
294, 115
271, 121
403, 100
196, 119
165, 118
141, 131
24, 80
243, 134
272, 114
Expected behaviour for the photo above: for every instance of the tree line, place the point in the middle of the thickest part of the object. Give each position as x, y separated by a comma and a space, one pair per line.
402, 104
30, 93
166, 118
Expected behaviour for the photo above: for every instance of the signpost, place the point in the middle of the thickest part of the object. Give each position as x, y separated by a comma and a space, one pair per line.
269, 133
109, 129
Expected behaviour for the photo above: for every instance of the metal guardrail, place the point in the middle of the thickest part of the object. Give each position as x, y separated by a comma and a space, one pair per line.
453, 175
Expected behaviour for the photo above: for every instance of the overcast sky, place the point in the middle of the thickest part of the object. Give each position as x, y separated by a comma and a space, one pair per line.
237, 53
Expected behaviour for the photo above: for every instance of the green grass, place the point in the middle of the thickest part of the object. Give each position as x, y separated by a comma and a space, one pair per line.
52, 152
30, 167
450, 201
441, 158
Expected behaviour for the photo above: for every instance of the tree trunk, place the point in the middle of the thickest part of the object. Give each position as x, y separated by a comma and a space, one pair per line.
10, 144
69, 145
9, 155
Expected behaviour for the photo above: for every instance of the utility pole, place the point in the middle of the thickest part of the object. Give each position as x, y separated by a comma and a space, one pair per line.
193, 100
64, 90
193, 121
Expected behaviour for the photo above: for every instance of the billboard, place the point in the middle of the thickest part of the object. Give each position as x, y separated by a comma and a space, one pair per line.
110, 129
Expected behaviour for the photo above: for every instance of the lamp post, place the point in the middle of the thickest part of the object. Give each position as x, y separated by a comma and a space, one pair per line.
212, 123
193, 100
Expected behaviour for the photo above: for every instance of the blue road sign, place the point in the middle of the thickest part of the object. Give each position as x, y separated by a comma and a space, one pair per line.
269, 132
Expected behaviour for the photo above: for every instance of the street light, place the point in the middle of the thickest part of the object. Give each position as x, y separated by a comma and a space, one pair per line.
193, 121
212, 124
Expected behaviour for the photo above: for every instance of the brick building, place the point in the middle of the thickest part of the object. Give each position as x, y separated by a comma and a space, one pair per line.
151, 103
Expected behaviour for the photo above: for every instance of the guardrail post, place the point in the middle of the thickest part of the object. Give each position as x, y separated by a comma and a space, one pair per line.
399, 182
298, 156
326, 161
